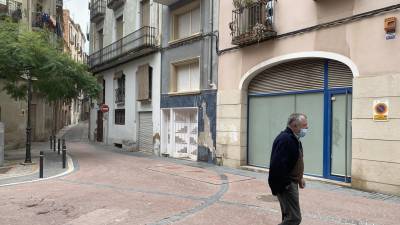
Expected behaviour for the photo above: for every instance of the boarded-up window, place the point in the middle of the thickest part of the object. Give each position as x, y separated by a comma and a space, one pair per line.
144, 82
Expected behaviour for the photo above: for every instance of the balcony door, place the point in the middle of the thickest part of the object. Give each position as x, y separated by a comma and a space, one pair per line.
145, 13
119, 34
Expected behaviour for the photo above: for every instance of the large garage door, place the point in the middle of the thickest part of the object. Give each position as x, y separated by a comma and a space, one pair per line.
299, 86
145, 132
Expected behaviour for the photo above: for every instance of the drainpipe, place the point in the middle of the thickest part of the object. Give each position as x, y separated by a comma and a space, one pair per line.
211, 44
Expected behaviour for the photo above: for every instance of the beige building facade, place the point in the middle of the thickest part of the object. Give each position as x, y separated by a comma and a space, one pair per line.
333, 60
74, 45
36, 15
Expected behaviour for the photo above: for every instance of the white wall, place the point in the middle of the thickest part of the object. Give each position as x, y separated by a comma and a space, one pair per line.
131, 13
127, 134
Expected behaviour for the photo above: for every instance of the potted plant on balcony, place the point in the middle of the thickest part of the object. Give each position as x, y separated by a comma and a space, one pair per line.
259, 31
240, 4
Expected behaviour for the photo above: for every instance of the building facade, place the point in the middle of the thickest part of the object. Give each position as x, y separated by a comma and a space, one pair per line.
189, 79
36, 15
74, 38
74, 45
335, 61
125, 57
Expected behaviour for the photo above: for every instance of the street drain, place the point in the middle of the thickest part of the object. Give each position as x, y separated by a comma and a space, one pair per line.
267, 198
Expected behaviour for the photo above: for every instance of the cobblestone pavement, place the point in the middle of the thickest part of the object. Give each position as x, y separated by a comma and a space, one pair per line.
112, 186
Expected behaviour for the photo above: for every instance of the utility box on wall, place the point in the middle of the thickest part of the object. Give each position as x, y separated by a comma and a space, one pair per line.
390, 24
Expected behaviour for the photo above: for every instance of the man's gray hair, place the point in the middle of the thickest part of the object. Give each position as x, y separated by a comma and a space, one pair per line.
296, 118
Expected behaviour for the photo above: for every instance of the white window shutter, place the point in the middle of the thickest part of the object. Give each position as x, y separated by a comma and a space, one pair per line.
183, 78
194, 76
183, 25
195, 21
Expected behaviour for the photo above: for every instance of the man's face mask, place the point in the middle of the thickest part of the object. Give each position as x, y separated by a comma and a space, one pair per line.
303, 132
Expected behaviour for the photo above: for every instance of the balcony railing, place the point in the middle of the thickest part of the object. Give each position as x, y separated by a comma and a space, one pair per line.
166, 2
43, 20
97, 10
120, 95
135, 44
59, 3
115, 4
11, 8
252, 22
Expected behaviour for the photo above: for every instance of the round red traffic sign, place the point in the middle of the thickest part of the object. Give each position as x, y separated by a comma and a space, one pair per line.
104, 108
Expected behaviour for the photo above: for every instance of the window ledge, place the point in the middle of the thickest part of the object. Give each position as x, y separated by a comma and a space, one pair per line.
184, 93
180, 40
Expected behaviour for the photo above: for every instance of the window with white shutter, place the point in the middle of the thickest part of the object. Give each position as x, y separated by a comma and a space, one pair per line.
185, 77
186, 21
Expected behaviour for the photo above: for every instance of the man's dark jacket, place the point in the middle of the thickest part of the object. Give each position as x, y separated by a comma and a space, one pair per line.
284, 156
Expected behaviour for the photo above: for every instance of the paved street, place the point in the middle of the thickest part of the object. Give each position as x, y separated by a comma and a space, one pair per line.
111, 186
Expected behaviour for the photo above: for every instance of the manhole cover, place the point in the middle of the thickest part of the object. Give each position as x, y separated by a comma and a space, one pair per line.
267, 198
4, 170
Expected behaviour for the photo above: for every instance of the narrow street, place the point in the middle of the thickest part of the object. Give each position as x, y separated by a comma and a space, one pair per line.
111, 186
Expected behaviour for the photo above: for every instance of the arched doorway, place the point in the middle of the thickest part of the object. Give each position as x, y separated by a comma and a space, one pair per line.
319, 87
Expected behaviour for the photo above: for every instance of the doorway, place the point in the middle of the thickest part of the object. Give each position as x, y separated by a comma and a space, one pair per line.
99, 126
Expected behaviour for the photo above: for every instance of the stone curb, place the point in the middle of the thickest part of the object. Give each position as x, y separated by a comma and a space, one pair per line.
70, 169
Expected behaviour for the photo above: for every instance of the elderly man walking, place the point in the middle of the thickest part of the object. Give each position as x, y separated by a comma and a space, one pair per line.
287, 167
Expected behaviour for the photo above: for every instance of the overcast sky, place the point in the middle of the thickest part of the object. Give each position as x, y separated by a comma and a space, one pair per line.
80, 14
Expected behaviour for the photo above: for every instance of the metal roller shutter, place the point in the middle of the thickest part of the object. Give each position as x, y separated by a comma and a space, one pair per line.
300, 75
340, 75
145, 132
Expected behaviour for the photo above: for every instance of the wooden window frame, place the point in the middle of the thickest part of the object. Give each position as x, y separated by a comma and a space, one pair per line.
144, 77
174, 20
173, 76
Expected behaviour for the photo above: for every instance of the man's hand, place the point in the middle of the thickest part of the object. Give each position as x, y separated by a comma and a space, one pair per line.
302, 183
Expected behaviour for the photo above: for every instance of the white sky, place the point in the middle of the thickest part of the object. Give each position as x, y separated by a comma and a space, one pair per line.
79, 12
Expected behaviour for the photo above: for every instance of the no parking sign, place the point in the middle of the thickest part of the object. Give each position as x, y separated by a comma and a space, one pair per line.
381, 110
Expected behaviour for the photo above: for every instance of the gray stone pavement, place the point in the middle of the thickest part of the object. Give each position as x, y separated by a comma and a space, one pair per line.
13, 171
112, 186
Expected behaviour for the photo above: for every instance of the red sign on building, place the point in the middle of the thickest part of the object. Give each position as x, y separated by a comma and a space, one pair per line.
104, 108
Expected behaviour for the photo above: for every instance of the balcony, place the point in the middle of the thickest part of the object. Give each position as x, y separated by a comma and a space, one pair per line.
166, 2
138, 43
12, 9
115, 4
41, 20
97, 10
252, 23
59, 3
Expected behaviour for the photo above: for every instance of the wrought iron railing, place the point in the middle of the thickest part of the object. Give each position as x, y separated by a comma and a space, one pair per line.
97, 9
59, 3
120, 95
252, 22
114, 4
41, 20
11, 8
142, 39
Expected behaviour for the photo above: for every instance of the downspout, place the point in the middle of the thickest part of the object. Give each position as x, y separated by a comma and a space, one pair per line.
211, 44
159, 28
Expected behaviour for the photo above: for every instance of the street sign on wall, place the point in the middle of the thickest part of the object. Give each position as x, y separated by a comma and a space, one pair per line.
104, 108
380, 110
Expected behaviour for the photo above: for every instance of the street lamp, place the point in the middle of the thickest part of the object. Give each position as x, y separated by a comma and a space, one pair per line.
27, 76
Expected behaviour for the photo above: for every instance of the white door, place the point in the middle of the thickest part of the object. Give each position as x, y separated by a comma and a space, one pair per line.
185, 133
